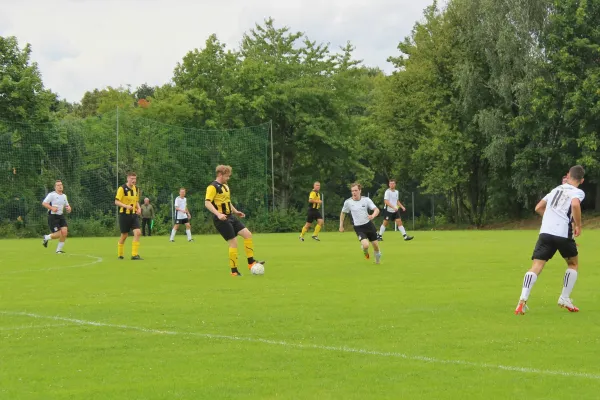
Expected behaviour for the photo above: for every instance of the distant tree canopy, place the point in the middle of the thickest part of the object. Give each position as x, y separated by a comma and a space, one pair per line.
489, 105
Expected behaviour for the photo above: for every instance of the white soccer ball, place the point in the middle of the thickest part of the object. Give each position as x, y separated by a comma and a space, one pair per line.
257, 269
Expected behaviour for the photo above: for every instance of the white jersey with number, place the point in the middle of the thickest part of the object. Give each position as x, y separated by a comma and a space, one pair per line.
182, 205
557, 217
391, 196
359, 209
57, 200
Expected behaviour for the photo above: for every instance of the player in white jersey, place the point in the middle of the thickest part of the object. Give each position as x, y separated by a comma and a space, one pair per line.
561, 221
182, 216
390, 211
57, 203
359, 207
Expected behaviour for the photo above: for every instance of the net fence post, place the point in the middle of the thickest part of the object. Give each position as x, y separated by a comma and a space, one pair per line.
272, 166
413, 209
117, 166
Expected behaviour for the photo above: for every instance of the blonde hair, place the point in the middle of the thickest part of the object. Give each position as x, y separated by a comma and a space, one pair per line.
357, 185
223, 170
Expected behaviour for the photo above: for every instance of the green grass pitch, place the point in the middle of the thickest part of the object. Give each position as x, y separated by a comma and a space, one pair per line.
434, 321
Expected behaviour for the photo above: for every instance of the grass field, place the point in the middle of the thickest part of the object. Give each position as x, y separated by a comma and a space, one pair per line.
433, 321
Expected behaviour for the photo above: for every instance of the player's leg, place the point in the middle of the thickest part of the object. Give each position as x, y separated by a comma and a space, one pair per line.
402, 230
383, 226
54, 229
144, 225
225, 228
124, 225
377, 251
544, 250
364, 242
188, 231
137, 233
568, 249
245, 233
318, 228
306, 227
174, 231
64, 232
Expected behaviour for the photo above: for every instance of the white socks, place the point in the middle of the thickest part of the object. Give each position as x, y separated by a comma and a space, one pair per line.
189, 234
381, 230
402, 230
47, 237
173, 232
528, 282
60, 246
568, 283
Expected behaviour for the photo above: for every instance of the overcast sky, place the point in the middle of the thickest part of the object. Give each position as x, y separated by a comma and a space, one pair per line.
81, 45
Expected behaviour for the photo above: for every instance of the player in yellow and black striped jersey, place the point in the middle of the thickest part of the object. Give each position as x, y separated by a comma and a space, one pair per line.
218, 202
314, 213
128, 201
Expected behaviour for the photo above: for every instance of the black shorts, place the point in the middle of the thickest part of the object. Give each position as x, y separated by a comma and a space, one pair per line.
229, 228
547, 245
366, 231
128, 222
182, 221
391, 215
313, 215
55, 222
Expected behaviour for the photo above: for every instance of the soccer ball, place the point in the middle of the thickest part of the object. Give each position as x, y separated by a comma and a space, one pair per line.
257, 269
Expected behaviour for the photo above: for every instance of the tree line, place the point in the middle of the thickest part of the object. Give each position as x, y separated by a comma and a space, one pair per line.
488, 106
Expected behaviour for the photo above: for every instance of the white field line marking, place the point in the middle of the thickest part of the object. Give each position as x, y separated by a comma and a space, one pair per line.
98, 260
17, 328
431, 360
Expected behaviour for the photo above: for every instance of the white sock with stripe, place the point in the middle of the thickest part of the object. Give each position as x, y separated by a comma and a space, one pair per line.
528, 282
569, 282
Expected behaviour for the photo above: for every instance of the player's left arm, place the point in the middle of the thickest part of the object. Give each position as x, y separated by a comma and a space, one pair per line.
576, 212
237, 212
401, 206
67, 205
540, 208
373, 208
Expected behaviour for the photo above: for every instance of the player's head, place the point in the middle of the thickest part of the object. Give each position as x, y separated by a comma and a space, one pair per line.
575, 175
146, 201
131, 178
316, 186
223, 173
182, 192
392, 184
58, 186
355, 188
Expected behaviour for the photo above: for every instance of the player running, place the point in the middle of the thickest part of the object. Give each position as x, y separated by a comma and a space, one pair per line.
561, 211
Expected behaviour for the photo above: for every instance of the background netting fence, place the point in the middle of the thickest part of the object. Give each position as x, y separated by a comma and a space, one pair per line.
93, 155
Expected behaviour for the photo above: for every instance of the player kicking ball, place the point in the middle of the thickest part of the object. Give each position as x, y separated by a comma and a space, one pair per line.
561, 221
366, 231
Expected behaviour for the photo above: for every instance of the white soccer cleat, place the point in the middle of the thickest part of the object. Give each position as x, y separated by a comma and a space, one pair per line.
567, 303
377, 257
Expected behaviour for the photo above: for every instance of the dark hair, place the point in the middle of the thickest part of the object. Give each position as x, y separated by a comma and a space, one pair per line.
392, 180
577, 172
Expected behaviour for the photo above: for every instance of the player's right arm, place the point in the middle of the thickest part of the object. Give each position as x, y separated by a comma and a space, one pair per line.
46, 203
576, 212
211, 192
345, 210
540, 208
386, 201
119, 197
312, 198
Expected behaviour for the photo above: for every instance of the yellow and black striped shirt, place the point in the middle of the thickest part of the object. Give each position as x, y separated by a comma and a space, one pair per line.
129, 196
218, 194
314, 196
